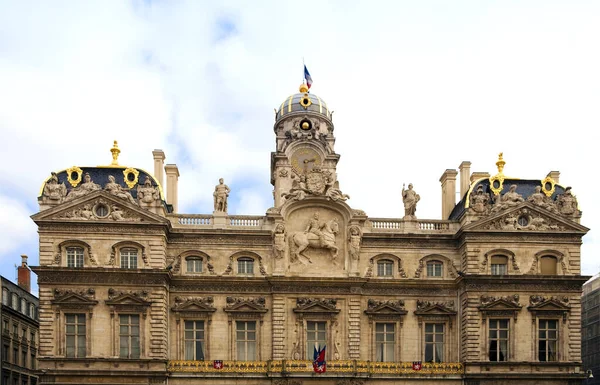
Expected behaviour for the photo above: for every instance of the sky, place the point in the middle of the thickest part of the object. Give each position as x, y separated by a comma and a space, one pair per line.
416, 88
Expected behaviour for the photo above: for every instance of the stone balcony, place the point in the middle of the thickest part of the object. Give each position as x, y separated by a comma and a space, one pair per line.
344, 368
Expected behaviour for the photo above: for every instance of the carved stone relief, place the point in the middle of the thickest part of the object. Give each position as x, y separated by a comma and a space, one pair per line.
567, 204
113, 293
524, 219
117, 190
87, 187
100, 209
539, 299
317, 235
279, 238
62, 293
148, 194
258, 302
512, 299
424, 305
480, 201
54, 192
182, 302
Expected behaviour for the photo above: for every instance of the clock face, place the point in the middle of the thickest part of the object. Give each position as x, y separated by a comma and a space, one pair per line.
305, 160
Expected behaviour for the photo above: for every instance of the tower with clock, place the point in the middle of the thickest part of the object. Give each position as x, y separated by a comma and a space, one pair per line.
305, 161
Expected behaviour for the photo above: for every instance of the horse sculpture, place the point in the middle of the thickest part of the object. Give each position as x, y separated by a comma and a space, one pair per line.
300, 241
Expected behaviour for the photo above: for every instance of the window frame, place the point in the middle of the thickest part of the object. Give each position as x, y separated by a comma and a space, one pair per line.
194, 340
557, 339
117, 255
434, 263
444, 334
508, 339
62, 258
246, 341
196, 261
245, 261
385, 263
131, 254
130, 335
385, 342
77, 348
492, 264
78, 259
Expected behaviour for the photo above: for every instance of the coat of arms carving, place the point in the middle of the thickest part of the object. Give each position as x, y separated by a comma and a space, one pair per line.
316, 182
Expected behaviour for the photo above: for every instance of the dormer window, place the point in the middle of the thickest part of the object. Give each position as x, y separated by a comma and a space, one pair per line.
129, 258
385, 268
434, 268
74, 256
245, 266
194, 264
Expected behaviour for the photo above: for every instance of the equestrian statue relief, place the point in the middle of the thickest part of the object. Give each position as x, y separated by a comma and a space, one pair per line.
318, 235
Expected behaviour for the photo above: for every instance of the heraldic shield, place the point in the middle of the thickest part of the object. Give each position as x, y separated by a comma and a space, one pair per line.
315, 182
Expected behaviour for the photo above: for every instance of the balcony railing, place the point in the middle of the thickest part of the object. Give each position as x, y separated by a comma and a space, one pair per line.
300, 366
400, 225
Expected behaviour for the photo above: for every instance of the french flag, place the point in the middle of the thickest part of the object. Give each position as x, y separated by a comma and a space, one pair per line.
307, 77
319, 365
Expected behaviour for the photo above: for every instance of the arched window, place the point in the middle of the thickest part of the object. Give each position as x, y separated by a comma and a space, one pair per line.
245, 266
74, 256
548, 265
499, 265
194, 264
385, 268
129, 258
434, 268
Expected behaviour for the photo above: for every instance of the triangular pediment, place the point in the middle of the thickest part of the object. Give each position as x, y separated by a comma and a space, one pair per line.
549, 305
500, 304
317, 307
525, 217
434, 310
245, 307
194, 306
87, 209
74, 299
385, 309
127, 299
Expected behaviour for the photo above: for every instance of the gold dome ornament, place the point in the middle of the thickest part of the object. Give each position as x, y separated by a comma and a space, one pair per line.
305, 125
303, 88
115, 154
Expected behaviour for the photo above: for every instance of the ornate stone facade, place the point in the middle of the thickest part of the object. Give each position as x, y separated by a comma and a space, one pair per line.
227, 298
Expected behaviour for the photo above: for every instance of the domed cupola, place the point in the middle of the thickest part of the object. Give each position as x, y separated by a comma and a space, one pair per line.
303, 102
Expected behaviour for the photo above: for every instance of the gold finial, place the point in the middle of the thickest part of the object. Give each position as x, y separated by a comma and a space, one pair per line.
115, 154
303, 88
500, 163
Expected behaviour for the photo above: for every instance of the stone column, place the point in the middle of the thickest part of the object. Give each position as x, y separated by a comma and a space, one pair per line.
448, 181
172, 180
159, 162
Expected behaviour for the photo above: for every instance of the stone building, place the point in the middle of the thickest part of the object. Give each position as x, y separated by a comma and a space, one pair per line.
590, 326
20, 327
133, 291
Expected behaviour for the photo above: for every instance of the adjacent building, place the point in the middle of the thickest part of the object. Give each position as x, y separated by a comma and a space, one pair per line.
590, 326
20, 329
134, 291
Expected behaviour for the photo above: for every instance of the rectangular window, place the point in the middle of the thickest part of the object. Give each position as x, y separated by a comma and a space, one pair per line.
194, 340
5, 297
129, 258
384, 268
16, 330
5, 352
33, 363
129, 336
24, 358
15, 356
434, 269
74, 256
385, 341
246, 266
315, 337
5, 324
194, 265
547, 340
246, 340
434, 342
75, 335
15, 301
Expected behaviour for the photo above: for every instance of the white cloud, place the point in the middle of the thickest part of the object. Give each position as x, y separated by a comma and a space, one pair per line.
416, 89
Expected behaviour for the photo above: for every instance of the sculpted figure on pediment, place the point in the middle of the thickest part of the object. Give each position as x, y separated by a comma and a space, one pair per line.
117, 190
53, 191
148, 193
538, 198
298, 191
567, 203
410, 198
511, 199
354, 242
87, 187
334, 193
318, 235
480, 201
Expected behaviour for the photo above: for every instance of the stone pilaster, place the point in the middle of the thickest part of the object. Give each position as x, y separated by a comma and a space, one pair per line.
354, 328
158, 324
278, 315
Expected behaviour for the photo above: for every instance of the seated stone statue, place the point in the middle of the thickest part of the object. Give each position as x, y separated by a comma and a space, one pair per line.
87, 187
510, 199
540, 199
53, 191
117, 190
148, 193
